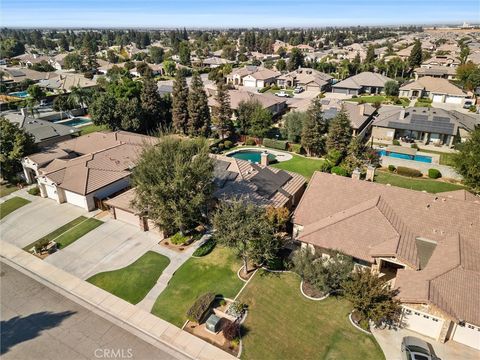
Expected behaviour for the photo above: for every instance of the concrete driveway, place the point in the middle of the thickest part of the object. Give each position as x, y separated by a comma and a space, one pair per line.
37, 219
110, 246
390, 341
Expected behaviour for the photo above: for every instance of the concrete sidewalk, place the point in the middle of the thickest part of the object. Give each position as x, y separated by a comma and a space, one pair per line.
130, 317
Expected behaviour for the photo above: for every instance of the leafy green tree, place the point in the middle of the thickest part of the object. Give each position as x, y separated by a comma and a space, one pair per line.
127, 114
184, 53
198, 111
154, 108
372, 298
144, 70
370, 57
464, 53
244, 227
339, 133
296, 60
169, 67
16, 144
43, 66
112, 57
314, 129
10, 47
467, 161
173, 183
36, 92
156, 54
281, 65
293, 122
80, 96
180, 103
469, 75
392, 88
416, 55
74, 61
222, 113
103, 110
62, 103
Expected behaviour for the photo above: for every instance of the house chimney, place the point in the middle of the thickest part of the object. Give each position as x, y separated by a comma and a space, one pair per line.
264, 158
356, 174
370, 173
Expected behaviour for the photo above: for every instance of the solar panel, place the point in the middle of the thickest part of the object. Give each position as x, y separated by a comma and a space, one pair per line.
438, 124
221, 174
268, 182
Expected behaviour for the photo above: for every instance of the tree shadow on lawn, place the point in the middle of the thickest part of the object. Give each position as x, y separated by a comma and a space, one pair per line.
20, 329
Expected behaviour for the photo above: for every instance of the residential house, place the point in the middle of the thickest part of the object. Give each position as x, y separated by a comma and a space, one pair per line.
445, 72
27, 60
305, 49
425, 125
424, 245
361, 115
86, 170
442, 60
62, 83
58, 61
19, 74
437, 89
261, 78
309, 79
404, 54
365, 82
238, 74
213, 62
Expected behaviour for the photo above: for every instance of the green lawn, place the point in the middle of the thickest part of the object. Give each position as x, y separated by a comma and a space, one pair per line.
7, 189
379, 98
132, 283
431, 186
84, 130
420, 103
301, 165
11, 205
283, 324
288, 91
215, 272
70, 232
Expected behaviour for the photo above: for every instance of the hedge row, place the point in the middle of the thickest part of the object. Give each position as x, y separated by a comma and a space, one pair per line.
275, 144
200, 307
406, 171
205, 249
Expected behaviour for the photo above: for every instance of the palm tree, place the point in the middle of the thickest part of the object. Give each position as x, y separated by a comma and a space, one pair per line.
79, 96
31, 105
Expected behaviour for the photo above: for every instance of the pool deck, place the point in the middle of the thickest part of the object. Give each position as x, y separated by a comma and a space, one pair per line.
280, 155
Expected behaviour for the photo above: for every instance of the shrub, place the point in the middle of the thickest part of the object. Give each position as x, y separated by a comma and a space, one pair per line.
396, 142
35, 191
179, 239
334, 156
205, 249
275, 144
406, 171
377, 104
339, 171
275, 87
414, 146
228, 144
250, 142
265, 89
296, 148
214, 149
325, 167
231, 330
354, 96
391, 168
434, 174
200, 307
221, 146
472, 108
361, 101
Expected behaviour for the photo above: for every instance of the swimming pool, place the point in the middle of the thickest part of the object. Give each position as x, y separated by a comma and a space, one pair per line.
421, 158
253, 156
76, 121
20, 94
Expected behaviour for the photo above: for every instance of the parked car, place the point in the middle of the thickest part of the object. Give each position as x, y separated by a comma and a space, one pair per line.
467, 104
282, 94
416, 349
298, 90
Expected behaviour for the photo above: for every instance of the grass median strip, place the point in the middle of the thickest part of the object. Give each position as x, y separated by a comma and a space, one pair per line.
133, 282
11, 205
68, 233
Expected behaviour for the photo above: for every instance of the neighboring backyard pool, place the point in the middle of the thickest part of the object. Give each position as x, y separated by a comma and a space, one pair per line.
19, 94
76, 121
421, 158
253, 156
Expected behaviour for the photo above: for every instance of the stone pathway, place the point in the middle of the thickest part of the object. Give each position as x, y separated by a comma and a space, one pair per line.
176, 260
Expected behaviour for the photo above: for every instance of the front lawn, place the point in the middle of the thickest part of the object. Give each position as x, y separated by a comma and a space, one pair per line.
372, 99
7, 189
132, 283
215, 272
11, 205
283, 324
431, 186
70, 232
301, 165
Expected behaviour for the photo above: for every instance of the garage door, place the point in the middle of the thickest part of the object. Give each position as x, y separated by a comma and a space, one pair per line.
249, 83
468, 335
340, 91
437, 98
422, 323
453, 100
51, 192
127, 217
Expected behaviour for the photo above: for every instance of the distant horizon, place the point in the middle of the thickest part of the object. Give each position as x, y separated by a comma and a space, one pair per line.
225, 14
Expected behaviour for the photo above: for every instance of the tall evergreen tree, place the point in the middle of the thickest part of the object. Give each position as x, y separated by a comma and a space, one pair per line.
296, 60
222, 113
339, 133
415, 58
314, 129
370, 57
153, 107
198, 111
180, 103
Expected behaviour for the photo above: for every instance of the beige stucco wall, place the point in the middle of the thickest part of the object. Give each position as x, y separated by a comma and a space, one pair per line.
382, 133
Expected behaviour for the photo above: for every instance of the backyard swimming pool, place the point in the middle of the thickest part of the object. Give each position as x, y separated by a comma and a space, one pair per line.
252, 155
19, 94
76, 121
421, 158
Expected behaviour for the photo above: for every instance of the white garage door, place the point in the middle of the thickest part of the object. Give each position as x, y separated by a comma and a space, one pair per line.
437, 98
422, 323
468, 335
51, 192
127, 217
249, 83
453, 100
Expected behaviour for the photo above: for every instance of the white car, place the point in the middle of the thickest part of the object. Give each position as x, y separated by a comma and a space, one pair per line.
416, 349
282, 94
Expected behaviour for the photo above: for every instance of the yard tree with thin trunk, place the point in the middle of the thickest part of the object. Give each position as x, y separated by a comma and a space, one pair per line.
15, 144
174, 183
416, 56
314, 129
253, 119
372, 297
244, 227
293, 125
36, 92
392, 88
180, 103
467, 161
222, 113
339, 133
198, 111
296, 60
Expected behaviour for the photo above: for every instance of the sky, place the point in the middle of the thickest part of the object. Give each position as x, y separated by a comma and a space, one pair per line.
233, 13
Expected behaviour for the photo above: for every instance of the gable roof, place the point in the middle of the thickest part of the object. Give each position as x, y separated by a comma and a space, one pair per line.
366, 78
433, 84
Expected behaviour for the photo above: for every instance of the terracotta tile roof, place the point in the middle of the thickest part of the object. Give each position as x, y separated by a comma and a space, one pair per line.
123, 201
363, 79
435, 85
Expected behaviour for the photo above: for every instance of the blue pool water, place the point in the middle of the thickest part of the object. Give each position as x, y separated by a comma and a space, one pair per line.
20, 94
421, 158
77, 121
251, 155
